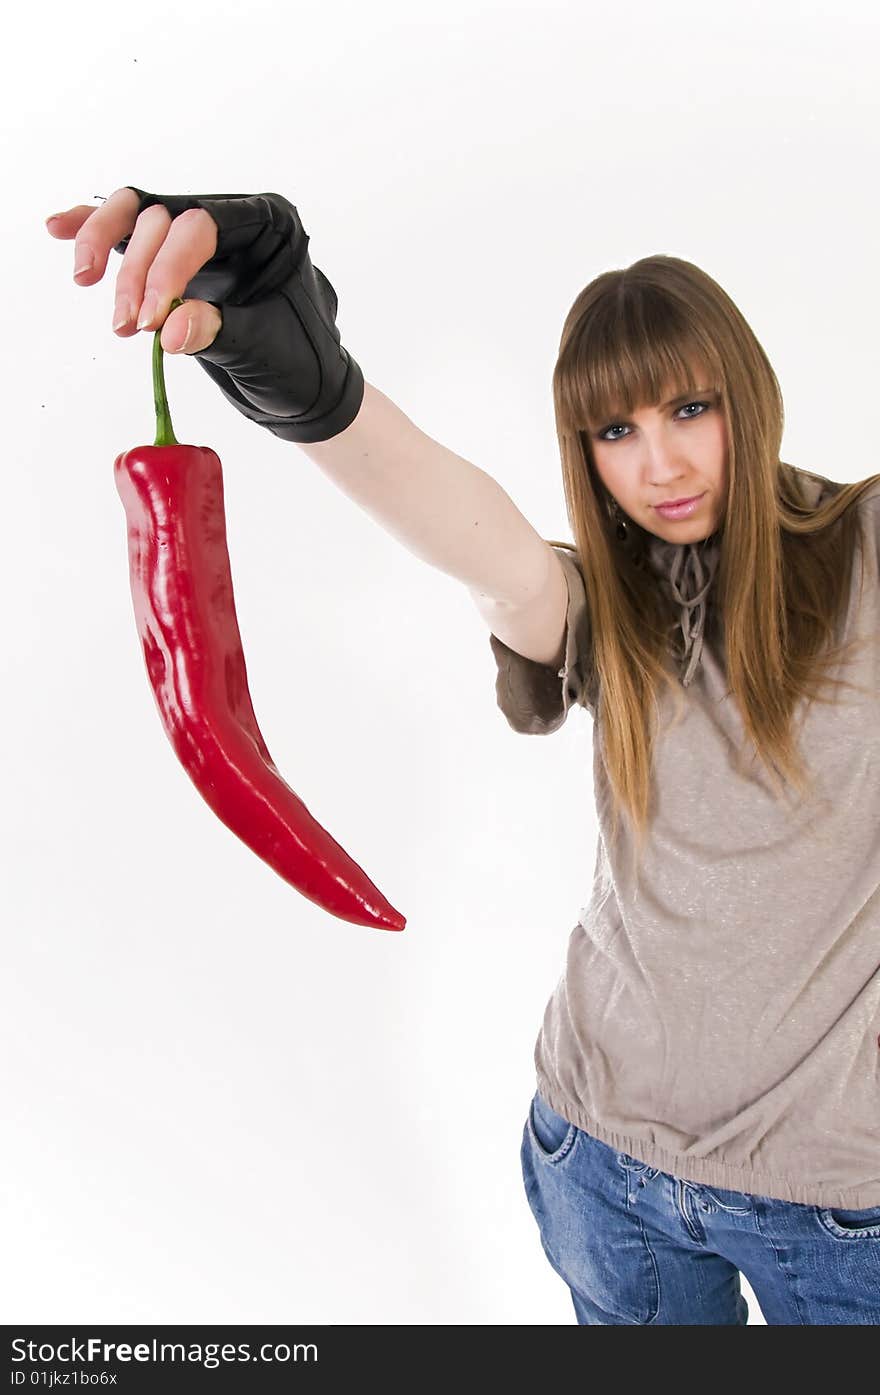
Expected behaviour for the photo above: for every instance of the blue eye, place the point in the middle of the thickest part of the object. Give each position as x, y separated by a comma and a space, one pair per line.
602, 435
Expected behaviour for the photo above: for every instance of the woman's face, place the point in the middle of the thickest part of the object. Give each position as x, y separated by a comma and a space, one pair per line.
667, 453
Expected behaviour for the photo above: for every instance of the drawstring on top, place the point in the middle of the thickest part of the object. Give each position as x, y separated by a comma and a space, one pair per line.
686, 571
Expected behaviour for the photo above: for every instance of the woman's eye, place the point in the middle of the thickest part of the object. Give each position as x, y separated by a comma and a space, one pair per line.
616, 426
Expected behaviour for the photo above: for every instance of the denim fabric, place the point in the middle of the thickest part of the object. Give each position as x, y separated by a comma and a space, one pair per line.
637, 1245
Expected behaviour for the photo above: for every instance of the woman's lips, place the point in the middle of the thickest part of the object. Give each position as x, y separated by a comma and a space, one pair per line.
683, 509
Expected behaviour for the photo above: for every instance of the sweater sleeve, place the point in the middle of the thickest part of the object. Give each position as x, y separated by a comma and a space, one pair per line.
535, 698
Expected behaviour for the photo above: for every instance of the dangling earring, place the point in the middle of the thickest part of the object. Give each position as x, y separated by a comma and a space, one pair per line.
621, 521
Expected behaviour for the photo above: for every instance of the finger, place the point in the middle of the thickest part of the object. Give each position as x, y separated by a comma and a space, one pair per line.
67, 224
191, 327
146, 238
96, 231
162, 257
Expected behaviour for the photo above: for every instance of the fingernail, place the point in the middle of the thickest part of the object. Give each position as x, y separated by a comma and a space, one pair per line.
122, 314
85, 261
148, 309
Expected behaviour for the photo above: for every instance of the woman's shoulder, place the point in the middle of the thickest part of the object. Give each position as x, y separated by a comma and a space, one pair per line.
872, 493
819, 489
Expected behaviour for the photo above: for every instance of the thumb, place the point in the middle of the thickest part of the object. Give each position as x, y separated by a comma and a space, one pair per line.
191, 326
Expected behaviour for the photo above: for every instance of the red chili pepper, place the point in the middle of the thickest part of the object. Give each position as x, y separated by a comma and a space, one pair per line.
181, 585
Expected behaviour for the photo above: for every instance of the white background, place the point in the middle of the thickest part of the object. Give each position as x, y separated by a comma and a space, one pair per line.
220, 1103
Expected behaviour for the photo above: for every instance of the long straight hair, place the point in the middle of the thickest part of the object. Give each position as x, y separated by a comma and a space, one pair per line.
783, 577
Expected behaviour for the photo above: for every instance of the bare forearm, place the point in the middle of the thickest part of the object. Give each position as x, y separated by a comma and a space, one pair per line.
443, 509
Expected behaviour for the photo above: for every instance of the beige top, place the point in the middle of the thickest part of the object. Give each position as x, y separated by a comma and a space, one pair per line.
719, 1019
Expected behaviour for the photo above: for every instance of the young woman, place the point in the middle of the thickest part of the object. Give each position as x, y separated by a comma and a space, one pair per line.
708, 1067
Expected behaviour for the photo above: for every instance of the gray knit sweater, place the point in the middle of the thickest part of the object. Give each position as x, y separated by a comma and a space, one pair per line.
719, 1016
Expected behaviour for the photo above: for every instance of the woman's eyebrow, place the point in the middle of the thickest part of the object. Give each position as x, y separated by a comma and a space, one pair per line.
691, 392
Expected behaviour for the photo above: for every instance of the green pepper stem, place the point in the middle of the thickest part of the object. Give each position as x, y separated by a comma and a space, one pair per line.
164, 430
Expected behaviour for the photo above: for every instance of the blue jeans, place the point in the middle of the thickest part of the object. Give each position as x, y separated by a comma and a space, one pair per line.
637, 1245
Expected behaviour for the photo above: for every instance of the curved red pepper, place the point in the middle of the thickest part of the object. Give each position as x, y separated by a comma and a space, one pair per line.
181, 586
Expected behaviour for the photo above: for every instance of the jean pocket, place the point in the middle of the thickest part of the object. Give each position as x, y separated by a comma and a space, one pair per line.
552, 1135
851, 1225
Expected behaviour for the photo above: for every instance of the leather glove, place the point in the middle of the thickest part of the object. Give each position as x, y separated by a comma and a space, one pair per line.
277, 357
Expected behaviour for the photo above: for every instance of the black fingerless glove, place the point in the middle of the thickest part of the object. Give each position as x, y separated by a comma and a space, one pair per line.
277, 357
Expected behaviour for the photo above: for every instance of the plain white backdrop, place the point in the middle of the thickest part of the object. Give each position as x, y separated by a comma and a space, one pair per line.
220, 1103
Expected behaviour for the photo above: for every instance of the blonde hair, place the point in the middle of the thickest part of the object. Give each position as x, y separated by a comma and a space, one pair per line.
783, 576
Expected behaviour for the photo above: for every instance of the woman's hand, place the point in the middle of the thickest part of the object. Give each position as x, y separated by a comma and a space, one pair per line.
162, 257
260, 318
